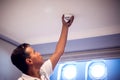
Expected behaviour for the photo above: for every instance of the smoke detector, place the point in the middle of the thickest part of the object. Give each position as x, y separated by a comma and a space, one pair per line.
67, 16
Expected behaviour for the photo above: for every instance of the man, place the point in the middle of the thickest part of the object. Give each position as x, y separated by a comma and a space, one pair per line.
31, 63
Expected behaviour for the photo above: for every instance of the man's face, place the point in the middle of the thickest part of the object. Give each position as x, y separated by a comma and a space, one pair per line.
35, 57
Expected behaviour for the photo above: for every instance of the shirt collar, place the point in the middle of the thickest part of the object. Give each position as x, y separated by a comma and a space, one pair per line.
27, 77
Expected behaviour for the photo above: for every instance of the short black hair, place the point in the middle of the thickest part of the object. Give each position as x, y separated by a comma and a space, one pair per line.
19, 56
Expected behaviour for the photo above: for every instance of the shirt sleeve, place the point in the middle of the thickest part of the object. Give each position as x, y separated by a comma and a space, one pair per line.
47, 67
20, 79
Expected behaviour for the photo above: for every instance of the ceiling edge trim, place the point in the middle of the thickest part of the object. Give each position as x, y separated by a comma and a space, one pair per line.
6, 39
108, 53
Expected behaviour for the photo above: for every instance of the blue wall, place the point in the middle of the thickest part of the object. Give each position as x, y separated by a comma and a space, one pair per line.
92, 43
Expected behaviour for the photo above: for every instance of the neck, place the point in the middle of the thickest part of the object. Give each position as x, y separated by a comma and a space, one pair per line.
34, 72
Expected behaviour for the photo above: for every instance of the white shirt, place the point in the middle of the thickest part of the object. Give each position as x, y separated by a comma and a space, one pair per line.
45, 71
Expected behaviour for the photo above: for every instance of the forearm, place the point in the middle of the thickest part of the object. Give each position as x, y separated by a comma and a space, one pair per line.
60, 47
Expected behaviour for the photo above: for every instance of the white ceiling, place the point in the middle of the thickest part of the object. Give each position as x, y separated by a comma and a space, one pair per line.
39, 21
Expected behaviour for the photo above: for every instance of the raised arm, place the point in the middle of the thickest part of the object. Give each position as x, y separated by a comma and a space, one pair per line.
62, 41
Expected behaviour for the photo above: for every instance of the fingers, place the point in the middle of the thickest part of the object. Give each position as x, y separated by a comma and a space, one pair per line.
72, 18
63, 18
70, 21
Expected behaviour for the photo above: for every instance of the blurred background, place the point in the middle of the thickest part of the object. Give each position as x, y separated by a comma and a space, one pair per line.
93, 48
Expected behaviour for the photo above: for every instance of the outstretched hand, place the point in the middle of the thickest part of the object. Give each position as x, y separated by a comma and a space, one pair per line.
68, 24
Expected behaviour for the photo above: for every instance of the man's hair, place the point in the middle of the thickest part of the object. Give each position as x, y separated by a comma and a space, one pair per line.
19, 56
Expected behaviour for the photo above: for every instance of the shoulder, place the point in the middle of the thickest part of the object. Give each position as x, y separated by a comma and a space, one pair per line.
46, 67
20, 79
47, 63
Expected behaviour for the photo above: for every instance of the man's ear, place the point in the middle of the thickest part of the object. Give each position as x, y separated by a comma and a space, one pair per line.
29, 61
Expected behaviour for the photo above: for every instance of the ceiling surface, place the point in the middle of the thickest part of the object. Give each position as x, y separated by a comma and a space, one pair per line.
39, 21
